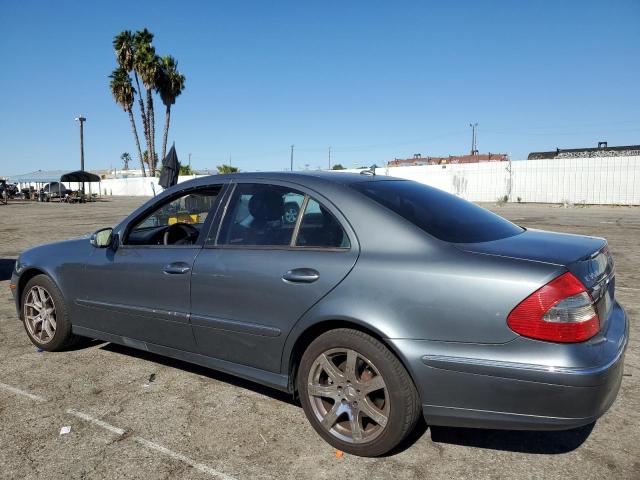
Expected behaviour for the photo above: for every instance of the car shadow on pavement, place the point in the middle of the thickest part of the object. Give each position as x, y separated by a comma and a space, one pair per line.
6, 267
536, 442
199, 370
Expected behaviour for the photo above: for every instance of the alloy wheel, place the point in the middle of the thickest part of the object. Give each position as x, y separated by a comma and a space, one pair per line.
348, 395
290, 215
40, 314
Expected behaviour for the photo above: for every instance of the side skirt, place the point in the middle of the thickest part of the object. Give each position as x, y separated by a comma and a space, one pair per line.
270, 379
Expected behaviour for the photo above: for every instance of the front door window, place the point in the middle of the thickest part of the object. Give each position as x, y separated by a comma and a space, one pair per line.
177, 222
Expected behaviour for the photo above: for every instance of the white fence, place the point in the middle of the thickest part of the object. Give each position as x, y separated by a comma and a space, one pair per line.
596, 180
135, 186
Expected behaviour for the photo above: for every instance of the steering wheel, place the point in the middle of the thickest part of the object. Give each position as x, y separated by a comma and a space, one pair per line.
180, 234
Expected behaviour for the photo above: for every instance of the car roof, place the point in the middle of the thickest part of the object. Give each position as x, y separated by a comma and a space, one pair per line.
343, 178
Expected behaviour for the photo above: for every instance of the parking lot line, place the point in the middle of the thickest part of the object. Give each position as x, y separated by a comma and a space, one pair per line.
151, 445
121, 431
17, 391
96, 421
183, 458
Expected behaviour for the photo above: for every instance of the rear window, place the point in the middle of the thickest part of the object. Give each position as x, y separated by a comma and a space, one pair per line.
438, 213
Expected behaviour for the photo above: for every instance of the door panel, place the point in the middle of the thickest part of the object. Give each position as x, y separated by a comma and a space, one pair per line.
241, 307
141, 293
141, 290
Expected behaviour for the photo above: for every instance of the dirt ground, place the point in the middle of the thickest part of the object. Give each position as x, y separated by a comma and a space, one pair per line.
190, 422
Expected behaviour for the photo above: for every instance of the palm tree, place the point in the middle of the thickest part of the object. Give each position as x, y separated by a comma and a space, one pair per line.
126, 158
124, 45
123, 93
147, 65
170, 86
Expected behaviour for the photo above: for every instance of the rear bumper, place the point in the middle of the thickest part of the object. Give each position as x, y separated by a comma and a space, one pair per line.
523, 384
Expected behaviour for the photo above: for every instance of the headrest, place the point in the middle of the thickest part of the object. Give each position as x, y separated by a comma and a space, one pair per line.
267, 205
194, 203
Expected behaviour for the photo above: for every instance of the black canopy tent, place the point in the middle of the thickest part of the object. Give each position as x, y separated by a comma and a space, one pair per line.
81, 176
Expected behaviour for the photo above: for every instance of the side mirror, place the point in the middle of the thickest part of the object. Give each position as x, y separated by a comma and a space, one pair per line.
101, 238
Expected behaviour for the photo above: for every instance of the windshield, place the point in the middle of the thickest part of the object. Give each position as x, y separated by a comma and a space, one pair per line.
438, 213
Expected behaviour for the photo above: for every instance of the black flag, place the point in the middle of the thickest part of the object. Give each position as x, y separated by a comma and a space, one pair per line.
170, 169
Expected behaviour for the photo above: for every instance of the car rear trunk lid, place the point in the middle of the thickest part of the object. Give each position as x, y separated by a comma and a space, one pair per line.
588, 258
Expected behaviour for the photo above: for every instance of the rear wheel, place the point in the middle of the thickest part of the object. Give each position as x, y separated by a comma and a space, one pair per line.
291, 212
45, 315
356, 393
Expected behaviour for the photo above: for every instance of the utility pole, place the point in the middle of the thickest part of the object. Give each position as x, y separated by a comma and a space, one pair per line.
329, 158
474, 149
189, 161
81, 119
292, 157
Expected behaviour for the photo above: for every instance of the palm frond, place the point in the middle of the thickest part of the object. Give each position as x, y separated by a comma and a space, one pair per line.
171, 81
124, 48
121, 88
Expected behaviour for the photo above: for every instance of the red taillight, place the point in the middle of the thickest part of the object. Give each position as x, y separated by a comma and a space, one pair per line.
561, 311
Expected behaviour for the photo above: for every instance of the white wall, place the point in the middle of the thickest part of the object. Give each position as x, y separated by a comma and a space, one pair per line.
595, 180
137, 186
604, 180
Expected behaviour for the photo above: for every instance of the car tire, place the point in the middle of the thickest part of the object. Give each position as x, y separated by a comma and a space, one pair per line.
384, 416
291, 210
47, 329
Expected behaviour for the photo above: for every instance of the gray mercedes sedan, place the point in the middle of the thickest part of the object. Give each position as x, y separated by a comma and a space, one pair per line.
372, 299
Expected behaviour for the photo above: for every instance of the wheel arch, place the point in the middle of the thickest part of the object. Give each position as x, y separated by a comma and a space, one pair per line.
27, 275
313, 331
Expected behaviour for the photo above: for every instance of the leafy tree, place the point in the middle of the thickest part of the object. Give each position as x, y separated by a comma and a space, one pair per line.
337, 166
227, 169
170, 86
123, 93
126, 158
186, 170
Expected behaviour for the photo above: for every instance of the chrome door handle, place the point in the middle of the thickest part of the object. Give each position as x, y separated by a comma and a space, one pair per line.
176, 268
301, 275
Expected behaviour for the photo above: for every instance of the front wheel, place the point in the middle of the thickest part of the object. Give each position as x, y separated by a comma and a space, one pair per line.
45, 315
356, 393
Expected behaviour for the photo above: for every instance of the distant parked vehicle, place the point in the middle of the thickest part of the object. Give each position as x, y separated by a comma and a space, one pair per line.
27, 193
54, 190
7, 190
4, 194
12, 190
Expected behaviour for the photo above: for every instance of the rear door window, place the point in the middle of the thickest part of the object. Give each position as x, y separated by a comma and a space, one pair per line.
438, 213
260, 214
